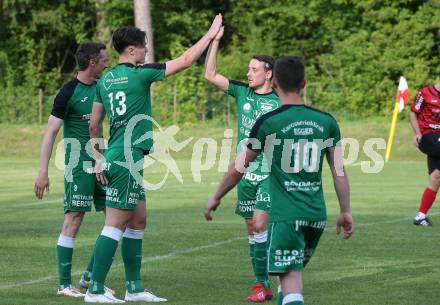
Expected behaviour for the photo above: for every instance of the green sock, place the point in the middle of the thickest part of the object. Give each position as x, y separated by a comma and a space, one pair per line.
280, 297
251, 253
87, 275
295, 303
104, 254
64, 256
260, 253
131, 249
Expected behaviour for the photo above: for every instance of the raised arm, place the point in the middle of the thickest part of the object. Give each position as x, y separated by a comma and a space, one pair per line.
211, 74
189, 57
230, 179
340, 181
95, 130
42, 181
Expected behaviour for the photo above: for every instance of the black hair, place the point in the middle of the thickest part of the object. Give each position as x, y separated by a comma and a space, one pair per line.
128, 36
267, 60
289, 73
86, 52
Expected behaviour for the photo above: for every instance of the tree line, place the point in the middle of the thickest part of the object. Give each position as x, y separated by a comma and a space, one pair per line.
355, 51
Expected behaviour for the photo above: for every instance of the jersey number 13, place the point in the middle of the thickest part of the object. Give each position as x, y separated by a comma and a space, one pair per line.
119, 99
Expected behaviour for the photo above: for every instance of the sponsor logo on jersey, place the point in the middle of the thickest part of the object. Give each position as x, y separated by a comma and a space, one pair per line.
288, 257
311, 224
264, 106
112, 194
246, 205
263, 197
84, 99
303, 123
303, 186
247, 122
419, 101
110, 80
434, 126
267, 105
247, 107
255, 177
250, 99
302, 131
117, 124
79, 200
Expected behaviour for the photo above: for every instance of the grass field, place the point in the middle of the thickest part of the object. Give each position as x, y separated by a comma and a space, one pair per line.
190, 261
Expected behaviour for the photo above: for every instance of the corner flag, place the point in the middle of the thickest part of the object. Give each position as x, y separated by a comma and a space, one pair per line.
402, 93
401, 101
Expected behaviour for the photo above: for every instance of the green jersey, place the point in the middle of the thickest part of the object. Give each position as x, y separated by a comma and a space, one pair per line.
73, 104
125, 93
250, 106
298, 138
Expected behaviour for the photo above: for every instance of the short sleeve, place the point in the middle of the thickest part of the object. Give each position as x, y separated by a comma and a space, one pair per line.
418, 102
335, 133
98, 98
61, 102
234, 87
152, 72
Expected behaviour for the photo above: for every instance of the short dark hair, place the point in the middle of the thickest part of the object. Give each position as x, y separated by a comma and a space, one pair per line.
86, 52
289, 73
128, 36
267, 60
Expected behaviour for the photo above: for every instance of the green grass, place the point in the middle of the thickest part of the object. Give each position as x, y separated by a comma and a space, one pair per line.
189, 261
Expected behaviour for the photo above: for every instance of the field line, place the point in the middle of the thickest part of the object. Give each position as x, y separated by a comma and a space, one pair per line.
191, 250
145, 260
35, 203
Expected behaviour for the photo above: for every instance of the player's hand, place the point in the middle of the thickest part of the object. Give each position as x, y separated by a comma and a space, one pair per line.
219, 34
100, 173
416, 139
210, 207
215, 26
41, 184
345, 221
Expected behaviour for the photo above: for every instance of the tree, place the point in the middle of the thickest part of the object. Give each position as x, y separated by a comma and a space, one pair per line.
142, 19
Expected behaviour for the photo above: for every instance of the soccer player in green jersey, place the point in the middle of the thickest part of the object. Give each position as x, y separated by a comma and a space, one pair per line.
123, 94
253, 198
73, 107
295, 139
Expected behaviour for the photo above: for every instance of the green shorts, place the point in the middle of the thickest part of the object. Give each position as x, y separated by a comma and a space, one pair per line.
292, 243
252, 193
125, 180
82, 191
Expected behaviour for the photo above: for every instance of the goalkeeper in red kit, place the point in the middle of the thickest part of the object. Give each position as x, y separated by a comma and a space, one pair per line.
425, 120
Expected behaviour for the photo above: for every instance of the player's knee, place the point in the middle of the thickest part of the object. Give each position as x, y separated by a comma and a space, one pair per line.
141, 223
259, 226
138, 223
436, 175
72, 223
